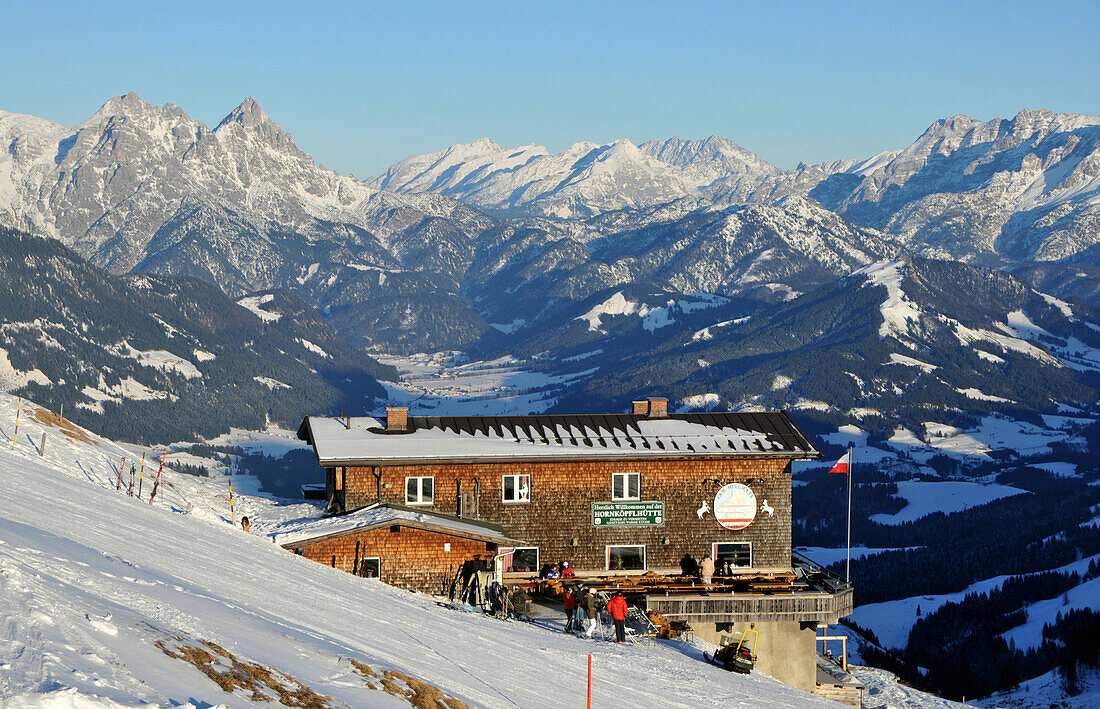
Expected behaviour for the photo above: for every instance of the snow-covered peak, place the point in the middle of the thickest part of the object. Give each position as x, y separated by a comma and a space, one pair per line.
709, 159
128, 104
248, 114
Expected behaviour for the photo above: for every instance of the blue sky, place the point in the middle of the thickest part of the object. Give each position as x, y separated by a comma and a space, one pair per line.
363, 85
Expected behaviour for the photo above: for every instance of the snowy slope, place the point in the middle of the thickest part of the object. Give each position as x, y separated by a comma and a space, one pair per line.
92, 579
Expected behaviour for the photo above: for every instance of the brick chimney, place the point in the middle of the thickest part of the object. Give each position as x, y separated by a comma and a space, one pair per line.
397, 418
658, 408
641, 408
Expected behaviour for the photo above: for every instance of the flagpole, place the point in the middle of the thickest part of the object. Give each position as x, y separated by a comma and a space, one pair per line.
851, 471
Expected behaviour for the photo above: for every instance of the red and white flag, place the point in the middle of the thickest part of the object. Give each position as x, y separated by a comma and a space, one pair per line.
841, 465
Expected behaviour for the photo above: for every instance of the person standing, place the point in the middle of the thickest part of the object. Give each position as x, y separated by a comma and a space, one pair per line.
590, 611
570, 608
707, 569
618, 609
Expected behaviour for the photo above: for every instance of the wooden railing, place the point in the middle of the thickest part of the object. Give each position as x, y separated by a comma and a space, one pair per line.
819, 607
816, 596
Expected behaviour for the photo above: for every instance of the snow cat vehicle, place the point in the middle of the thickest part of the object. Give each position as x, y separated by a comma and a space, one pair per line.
739, 657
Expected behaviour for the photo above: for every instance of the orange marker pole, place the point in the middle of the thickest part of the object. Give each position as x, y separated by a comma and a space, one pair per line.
590, 682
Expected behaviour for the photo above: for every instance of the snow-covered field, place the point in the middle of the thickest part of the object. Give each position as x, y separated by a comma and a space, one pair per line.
923, 498
93, 579
893, 620
440, 385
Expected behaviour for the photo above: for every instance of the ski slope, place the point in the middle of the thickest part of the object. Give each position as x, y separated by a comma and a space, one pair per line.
92, 579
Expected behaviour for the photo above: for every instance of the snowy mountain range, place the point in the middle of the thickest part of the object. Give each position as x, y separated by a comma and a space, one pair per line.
476, 241
138, 187
894, 342
584, 180
1026, 189
154, 358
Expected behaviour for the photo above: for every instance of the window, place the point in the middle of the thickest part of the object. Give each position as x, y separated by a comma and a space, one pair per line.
419, 491
370, 567
626, 558
738, 554
517, 488
626, 486
522, 559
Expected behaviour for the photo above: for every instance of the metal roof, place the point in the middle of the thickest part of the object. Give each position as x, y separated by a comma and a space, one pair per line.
381, 515
366, 440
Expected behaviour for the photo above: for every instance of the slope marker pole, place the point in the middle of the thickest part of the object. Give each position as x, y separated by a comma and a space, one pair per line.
18, 410
590, 681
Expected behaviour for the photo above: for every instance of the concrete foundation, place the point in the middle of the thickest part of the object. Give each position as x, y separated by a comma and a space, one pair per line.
786, 651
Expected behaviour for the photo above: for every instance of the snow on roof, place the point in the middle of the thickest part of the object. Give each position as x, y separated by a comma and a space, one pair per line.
363, 439
381, 515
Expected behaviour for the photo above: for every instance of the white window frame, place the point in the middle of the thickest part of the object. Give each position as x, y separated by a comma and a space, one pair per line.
607, 555
714, 553
377, 562
538, 560
626, 497
517, 489
419, 500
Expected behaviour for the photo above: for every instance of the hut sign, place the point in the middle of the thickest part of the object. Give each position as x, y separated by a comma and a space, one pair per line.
735, 506
628, 514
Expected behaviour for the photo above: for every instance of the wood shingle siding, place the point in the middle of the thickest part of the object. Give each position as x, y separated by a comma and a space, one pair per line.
562, 493
410, 558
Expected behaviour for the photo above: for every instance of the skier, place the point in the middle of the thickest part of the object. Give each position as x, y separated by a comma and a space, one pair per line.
570, 608
618, 609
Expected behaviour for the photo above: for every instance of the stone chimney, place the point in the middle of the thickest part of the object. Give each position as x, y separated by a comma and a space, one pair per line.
658, 408
641, 408
397, 418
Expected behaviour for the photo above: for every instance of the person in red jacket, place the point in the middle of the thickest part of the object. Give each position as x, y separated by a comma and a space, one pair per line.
618, 609
570, 608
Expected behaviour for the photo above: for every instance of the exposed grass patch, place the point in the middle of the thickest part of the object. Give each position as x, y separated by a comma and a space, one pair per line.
67, 427
232, 674
416, 692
